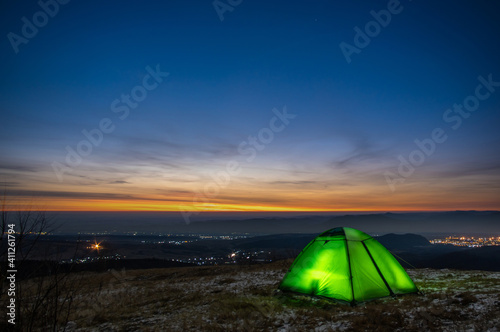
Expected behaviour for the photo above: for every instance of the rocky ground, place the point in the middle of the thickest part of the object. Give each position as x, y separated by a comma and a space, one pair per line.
243, 298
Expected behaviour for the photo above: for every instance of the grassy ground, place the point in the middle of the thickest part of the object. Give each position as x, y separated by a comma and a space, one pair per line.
242, 298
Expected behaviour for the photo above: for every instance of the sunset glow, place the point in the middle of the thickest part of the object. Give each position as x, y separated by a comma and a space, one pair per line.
258, 112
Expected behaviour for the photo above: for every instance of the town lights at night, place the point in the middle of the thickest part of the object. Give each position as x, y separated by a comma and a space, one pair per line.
469, 241
95, 246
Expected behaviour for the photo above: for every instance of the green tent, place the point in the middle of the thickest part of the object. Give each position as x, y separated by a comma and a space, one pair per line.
349, 266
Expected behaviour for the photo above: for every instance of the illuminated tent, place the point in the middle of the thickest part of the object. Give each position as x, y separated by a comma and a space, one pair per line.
349, 266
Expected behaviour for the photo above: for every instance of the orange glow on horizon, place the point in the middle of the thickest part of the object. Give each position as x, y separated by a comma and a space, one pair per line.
88, 205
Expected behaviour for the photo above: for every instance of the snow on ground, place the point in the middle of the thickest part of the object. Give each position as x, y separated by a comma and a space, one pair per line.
244, 298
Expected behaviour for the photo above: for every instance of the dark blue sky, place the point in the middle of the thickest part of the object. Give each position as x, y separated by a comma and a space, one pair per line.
225, 77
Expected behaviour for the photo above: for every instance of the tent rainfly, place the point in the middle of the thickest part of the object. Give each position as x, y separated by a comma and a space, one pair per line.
349, 266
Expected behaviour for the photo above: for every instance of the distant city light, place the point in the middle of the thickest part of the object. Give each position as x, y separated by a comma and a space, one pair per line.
469, 241
95, 246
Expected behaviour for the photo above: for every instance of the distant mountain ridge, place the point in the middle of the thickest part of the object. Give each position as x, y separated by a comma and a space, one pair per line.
411, 250
452, 222
376, 224
403, 242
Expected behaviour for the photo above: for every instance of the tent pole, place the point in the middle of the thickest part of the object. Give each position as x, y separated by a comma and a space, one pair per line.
350, 271
378, 270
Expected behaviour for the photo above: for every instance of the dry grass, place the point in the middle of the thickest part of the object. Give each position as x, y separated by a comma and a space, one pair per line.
242, 298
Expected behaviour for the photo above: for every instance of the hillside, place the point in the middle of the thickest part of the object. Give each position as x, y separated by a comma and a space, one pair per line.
243, 298
466, 222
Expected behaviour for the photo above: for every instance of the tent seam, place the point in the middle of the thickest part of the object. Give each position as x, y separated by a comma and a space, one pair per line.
350, 271
378, 270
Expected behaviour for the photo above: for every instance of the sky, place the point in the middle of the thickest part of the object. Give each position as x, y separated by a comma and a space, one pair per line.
250, 105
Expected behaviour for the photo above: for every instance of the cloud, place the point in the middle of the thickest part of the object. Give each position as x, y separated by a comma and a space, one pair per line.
8, 184
471, 168
17, 167
363, 150
89, 195
174, 192
294, 182
250, 200
163, 149
118, 182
